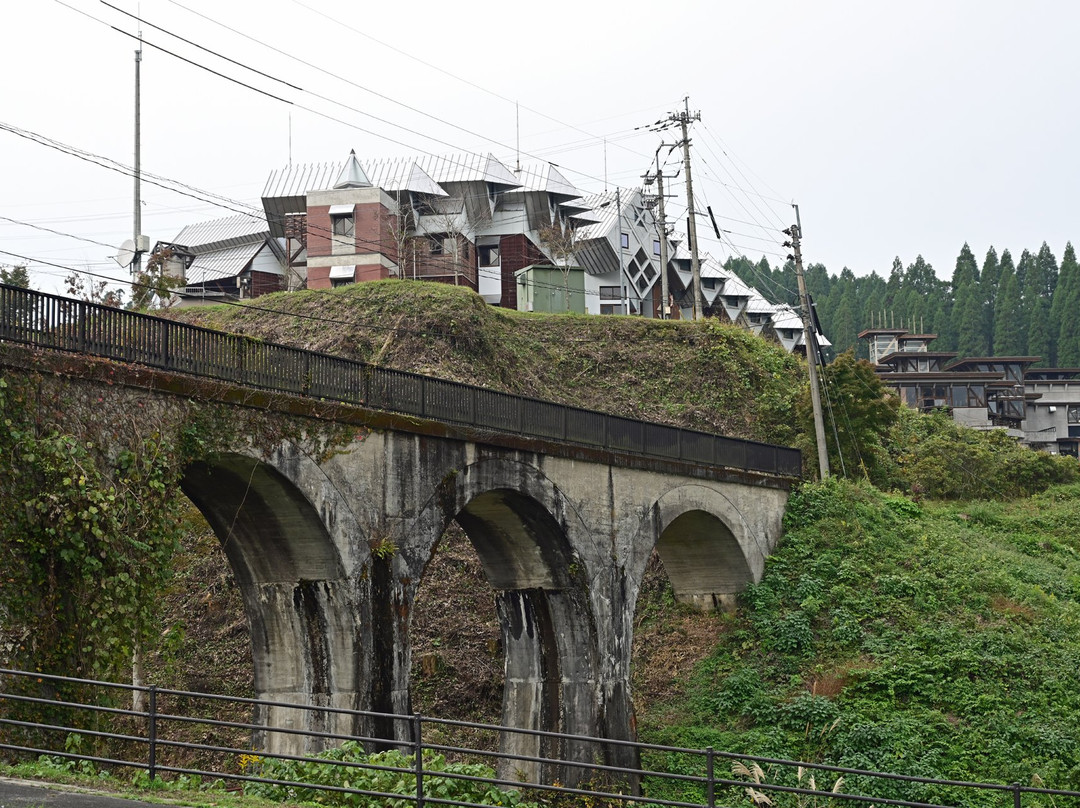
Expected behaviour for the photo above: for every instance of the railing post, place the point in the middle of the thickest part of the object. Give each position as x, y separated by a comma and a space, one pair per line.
81, 315
1016, 795
710, 785
165, 344
151, 733
418, 761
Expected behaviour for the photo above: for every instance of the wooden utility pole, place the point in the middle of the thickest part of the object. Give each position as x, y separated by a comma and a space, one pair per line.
661, 226
665, 309
810, 341
683, 119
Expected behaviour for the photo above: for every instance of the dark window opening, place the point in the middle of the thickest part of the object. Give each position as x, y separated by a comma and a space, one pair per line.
343, 226
610, 293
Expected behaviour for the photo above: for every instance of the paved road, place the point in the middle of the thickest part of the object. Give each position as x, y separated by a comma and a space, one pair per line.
26, 794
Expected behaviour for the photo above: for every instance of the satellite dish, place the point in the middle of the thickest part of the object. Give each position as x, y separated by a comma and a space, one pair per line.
126, 254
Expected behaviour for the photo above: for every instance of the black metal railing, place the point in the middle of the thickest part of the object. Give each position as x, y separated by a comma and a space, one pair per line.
177, 734
60, 323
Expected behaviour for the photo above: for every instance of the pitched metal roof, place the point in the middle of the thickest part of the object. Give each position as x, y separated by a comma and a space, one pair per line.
759, 305
219, 233
220, 264
735, 287
785, 317
547, 178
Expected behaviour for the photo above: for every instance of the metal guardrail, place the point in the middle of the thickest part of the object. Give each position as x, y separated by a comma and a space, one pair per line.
36, 719
59, 323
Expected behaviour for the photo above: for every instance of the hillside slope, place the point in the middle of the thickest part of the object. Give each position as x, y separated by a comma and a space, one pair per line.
705, 376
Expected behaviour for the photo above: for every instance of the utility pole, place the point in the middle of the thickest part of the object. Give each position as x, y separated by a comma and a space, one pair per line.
661, 224
683, 119
810, 340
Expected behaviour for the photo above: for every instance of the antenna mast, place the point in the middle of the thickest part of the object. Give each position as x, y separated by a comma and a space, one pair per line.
136, 261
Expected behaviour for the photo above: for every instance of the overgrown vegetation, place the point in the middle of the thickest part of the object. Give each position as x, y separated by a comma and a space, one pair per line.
390, 772
929, 639
706, 376
86, 537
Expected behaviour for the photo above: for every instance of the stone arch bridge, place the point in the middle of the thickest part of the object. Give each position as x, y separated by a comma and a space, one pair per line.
329, 539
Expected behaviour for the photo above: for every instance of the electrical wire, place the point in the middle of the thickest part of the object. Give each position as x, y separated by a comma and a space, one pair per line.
315, 95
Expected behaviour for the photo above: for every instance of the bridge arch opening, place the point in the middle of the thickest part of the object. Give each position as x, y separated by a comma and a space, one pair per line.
536, 619
693, 574
300, 608
703, 560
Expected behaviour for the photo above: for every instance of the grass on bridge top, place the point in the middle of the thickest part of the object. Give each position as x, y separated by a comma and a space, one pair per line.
708, 375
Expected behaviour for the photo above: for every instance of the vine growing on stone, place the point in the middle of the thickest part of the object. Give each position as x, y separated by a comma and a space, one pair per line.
86, 536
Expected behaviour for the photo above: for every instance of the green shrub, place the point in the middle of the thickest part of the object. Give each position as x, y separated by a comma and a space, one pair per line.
350, 767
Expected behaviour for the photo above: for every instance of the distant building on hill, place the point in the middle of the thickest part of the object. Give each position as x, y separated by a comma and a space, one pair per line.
225, 259
467, 220
1038, 406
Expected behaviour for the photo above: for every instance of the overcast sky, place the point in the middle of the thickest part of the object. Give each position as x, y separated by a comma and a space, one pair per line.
899, 128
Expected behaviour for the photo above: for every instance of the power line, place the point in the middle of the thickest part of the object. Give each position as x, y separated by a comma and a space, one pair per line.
56, 232
318, 96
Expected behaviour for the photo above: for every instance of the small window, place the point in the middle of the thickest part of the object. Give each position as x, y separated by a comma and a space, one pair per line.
436, 246
656, 247
708, 283
344, 226
624, 240
610, 293
488, 254
1073, 415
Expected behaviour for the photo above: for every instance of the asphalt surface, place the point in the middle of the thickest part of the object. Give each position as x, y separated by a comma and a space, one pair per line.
27, 794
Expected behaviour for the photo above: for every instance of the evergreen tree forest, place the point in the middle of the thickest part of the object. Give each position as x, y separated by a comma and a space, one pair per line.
1005, 305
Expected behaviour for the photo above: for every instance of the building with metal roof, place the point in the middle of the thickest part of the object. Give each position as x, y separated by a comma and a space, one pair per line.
1038, 406
225, 259
470, 220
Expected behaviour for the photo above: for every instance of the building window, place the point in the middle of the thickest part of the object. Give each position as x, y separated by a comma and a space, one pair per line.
1073, 415
435, 246
624, 240
489, 255
610, 293
344, 226
607, 308
656, 247
336, 282
708, 283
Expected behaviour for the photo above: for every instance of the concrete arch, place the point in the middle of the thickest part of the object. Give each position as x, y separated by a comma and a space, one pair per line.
283, 527
709, 549
521, 525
